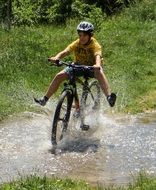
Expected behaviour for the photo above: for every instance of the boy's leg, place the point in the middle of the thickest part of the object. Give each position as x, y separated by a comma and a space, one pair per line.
101, 77
58, 79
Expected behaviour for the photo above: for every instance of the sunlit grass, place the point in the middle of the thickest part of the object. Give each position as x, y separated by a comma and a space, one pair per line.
128, 42
130, 60
142, 182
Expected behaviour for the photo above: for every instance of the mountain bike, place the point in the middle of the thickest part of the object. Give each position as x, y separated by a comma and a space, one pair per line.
90, 97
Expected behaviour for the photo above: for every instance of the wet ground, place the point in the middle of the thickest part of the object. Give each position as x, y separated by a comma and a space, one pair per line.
115, 148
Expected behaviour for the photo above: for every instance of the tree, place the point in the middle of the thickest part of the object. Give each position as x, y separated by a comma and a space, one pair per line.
6, 13
9, 14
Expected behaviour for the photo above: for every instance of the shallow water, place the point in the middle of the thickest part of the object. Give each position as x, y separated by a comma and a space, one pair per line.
114, 148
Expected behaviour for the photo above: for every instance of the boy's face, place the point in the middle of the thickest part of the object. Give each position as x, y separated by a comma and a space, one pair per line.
84, 38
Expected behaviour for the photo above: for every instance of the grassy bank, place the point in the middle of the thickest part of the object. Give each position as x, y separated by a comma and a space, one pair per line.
142, 182
128, 42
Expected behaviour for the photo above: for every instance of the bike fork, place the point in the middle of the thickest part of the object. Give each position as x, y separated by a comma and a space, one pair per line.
83, 126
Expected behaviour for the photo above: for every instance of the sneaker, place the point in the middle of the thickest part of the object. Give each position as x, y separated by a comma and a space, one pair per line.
111, 99
42, 101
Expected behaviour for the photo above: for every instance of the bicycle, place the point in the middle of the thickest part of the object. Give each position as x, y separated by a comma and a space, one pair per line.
69, 94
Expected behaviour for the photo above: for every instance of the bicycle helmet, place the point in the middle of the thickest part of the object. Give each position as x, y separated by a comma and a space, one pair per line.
85, 27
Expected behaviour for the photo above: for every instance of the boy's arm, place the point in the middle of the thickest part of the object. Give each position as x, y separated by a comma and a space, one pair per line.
97, 54
97, 61
59, 56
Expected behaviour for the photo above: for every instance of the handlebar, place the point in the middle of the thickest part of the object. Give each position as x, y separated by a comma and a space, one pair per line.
59, 63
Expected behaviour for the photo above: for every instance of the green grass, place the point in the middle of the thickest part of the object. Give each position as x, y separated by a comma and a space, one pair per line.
38, 183
128, 42
131, 62
142, 182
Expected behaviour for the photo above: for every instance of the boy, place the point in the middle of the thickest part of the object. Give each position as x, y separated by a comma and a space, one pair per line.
87, 51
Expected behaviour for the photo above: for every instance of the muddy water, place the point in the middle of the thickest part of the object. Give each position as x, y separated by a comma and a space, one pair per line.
115, 147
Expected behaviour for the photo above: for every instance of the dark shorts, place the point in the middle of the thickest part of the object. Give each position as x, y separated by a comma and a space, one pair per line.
79, 73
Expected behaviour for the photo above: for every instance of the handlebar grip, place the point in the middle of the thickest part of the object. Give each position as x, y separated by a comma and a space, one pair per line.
55, 63
58, 63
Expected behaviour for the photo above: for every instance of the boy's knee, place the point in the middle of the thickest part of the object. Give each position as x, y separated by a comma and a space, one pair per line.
97, 72
61, 76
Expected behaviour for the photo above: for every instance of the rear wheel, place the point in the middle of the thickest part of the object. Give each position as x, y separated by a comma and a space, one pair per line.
61, 117
91, 99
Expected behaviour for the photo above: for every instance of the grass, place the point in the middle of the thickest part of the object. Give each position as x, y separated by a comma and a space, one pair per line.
128, 42
38, 183
142, 182
131, 61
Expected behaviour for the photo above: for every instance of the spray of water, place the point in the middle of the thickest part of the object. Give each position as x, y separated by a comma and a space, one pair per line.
114, 146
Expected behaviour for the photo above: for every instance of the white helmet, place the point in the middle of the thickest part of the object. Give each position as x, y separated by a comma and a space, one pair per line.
85, 27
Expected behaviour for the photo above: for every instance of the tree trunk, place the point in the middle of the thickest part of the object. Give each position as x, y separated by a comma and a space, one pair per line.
9, 14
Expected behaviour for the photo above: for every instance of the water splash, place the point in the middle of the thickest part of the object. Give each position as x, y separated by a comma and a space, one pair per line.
114, 147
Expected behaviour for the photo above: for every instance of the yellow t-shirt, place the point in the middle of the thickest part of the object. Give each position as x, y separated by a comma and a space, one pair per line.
85, 54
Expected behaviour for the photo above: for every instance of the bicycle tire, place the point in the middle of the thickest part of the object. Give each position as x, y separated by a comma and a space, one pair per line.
66, 97
92, 97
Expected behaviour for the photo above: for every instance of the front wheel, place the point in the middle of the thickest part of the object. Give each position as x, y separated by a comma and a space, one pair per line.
61, 117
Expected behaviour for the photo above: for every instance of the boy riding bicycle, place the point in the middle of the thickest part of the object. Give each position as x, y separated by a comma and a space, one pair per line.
87, 51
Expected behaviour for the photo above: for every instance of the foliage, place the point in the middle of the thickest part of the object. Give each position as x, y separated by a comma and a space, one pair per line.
29, 12
88, 12
142, 182
110, 7
129, 52
97, 17
59, 12
24, 12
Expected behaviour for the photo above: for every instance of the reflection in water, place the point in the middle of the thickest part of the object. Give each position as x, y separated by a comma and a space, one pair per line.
80, 144
114, 147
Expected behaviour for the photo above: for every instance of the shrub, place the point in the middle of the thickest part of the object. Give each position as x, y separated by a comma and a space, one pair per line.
143, 11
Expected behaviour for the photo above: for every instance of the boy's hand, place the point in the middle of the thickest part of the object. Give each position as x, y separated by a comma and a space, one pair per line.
53, 59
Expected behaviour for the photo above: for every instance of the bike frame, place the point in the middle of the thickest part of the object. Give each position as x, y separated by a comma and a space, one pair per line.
72, 87
70, 92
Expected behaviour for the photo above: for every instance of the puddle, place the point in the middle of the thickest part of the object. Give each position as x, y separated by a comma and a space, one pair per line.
115, 147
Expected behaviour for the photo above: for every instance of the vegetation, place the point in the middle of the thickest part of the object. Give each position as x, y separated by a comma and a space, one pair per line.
142, 182
30, 12
128, 42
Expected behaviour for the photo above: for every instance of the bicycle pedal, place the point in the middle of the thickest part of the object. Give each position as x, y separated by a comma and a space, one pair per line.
84, 127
